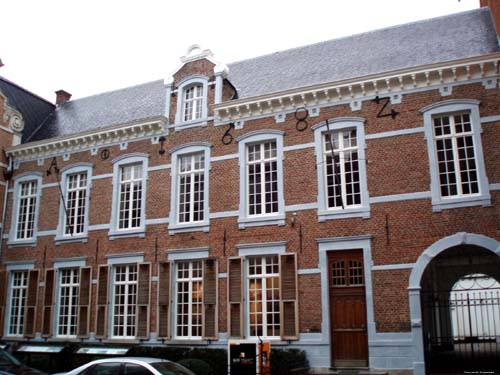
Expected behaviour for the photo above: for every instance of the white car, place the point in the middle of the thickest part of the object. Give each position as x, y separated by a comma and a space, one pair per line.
131, 366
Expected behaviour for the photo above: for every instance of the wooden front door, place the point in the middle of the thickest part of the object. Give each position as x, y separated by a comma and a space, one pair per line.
349, 339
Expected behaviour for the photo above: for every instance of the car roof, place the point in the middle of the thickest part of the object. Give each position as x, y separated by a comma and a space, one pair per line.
131, 359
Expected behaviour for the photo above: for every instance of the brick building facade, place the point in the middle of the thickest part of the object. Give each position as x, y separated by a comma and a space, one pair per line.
303, 197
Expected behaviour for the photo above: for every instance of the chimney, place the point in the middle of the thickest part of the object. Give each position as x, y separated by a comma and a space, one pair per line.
494, 5
62, 97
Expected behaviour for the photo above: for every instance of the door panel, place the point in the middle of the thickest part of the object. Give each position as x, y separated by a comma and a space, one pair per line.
349, 339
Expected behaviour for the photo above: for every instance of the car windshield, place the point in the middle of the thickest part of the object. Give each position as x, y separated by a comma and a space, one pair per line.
8, 359
170, 368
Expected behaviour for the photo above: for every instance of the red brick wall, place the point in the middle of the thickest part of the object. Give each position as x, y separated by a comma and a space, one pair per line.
395, 165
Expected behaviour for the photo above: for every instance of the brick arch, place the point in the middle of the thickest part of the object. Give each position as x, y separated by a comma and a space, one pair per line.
417, 272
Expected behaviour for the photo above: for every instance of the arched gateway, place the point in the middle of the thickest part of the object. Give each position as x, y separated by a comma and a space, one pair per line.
454, 305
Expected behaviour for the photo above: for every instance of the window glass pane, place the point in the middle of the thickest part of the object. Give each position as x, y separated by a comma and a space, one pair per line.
262, 178
189, 293
455, 154
264, 296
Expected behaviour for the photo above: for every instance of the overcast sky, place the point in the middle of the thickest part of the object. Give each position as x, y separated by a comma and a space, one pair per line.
92, 46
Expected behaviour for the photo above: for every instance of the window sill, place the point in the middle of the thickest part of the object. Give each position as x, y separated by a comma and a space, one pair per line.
115, 234
443, 204
348, 213
21, 243
191, 124
261, 221
189, 227
59, 240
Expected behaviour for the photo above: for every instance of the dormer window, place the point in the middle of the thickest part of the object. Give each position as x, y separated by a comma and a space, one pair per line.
193, 102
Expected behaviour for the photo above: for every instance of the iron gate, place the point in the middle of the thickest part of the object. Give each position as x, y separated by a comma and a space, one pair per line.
462, 328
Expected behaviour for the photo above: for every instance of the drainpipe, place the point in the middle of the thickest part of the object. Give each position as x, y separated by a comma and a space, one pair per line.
7, 174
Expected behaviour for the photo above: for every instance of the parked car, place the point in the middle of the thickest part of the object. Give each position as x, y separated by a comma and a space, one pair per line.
10, 365
131, 366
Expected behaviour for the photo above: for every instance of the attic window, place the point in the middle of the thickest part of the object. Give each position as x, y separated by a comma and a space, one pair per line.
193, 101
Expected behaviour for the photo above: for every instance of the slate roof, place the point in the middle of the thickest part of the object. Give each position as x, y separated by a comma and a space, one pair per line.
34, 109
448, 38
130, 104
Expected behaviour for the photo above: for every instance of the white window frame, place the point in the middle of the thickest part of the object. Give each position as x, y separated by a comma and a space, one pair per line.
450, 107
203, 225
336, 125
20, 179
123, 161
61, 228
258, 250
113, 302
15, 267
59, 296
260, 136
190, 281
21, 308
185, 84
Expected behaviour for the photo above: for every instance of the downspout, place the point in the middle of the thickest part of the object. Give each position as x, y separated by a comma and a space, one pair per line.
7, 175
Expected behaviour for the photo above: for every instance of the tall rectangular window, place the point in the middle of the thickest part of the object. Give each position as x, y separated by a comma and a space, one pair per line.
76, 198
18, 292
191, 188
124, 300
193, 100
69, 286
456, 157
189, 290
341, 164
130, 196
26, 210
262, 173
264, 296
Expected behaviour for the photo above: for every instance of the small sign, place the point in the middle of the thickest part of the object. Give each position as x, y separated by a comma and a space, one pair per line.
102, 351
40, 349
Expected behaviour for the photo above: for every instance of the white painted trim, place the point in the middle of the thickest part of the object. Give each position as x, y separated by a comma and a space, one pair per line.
487, 119
188, 254
401, 197
395, 133
389, 267
309, 271
444, 74
340, 124
416, 277
252, 249
448, 107
19, 265
337, 244
127, 258
69, 262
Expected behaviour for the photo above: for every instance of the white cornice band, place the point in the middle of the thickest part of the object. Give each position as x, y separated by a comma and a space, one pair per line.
385, 84
82, 141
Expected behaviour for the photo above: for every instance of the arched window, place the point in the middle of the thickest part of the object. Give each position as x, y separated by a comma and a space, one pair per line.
193, 102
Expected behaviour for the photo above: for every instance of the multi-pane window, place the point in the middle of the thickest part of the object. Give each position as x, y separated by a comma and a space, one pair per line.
347, 273
18, 290
26, 210
191, 188
264, 296
189, 289
124, 300
193, 101
75, 204
456, 157
341, 165
130, 196
262, 173
69, 285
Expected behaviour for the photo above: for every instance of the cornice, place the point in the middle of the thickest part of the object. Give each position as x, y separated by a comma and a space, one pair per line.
90, 139
382, 84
